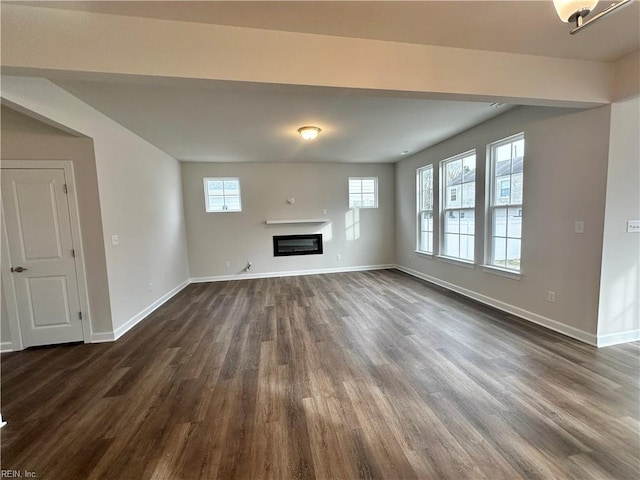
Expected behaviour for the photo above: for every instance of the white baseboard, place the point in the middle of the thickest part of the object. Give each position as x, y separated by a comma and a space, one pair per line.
102, 337
554, 325
618, 338
6, 347
291, 273
122, 329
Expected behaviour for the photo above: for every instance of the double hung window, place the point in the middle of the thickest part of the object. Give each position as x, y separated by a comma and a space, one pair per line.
506, 159
457, 206
425, 209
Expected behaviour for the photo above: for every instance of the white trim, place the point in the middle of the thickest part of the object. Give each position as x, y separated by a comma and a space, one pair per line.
424, 254
554, 325
291, 273
501, 272
102, 337
132, 322
6, 347
456, 261
11, 302
617, 338
304, 220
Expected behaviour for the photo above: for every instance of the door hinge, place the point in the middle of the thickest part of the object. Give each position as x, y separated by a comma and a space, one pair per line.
80, 315
73, 252
64, 187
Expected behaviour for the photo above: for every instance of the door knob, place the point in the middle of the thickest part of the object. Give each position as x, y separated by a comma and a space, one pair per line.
17, 269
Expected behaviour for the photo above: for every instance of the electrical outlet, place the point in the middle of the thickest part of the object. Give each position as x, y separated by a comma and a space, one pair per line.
579, 227
227, 264
338, 257
551, 296
324, 211
150, 287
115, 240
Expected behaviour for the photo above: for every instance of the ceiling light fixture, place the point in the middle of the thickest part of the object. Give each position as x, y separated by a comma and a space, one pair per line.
574, 11
309, 132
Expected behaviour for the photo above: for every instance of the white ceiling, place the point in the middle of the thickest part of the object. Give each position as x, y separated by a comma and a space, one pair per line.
243, 122
234, 121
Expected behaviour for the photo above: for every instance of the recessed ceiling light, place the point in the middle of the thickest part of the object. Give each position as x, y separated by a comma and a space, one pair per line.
309, 132
404, 152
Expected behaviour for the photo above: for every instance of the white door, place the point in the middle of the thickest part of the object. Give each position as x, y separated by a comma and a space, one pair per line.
42, 263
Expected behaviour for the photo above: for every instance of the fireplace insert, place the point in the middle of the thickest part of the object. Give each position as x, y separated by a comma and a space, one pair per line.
285, 245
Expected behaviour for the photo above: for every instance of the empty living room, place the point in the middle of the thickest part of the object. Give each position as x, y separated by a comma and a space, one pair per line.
320, 240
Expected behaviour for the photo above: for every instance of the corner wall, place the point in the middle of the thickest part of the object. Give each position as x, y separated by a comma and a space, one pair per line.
565, 173
362, 238
619, 310
140, 198
24, 138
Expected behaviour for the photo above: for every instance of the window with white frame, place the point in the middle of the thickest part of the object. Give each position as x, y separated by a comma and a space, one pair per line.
222, 194
425, 209
457, 206
363, 192
506, 159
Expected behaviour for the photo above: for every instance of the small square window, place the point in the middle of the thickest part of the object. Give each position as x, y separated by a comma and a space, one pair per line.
222, 194
363, 192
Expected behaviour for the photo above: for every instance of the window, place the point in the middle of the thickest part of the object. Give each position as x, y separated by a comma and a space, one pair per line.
363, 192
505, 202
458, 180
505, 188
425, 209
222, 194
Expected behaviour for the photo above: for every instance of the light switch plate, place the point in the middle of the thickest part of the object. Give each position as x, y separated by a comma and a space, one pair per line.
115, 240
633, 226
579, 227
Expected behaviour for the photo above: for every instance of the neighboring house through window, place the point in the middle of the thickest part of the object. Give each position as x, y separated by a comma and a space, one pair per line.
504, 220
457, 208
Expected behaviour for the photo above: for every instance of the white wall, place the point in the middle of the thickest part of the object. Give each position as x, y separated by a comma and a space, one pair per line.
362, 237
619, 311
24, 138
140, 197
564, 181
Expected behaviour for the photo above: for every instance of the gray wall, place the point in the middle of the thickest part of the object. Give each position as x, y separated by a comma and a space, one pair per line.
24, 138
362, 237
564, 181
620, 283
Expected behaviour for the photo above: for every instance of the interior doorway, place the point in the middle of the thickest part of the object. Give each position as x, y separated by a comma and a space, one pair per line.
43, 270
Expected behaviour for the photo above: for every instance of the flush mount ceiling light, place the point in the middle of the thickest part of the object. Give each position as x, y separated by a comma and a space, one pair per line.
574, 11
309, 132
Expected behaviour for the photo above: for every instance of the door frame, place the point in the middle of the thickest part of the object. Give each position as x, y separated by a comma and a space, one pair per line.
7, 279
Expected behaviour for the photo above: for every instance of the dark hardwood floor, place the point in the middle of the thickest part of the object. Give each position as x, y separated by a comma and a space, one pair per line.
358, 375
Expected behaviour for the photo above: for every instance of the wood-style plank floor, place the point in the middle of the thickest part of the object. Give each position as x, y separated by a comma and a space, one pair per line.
355, 375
